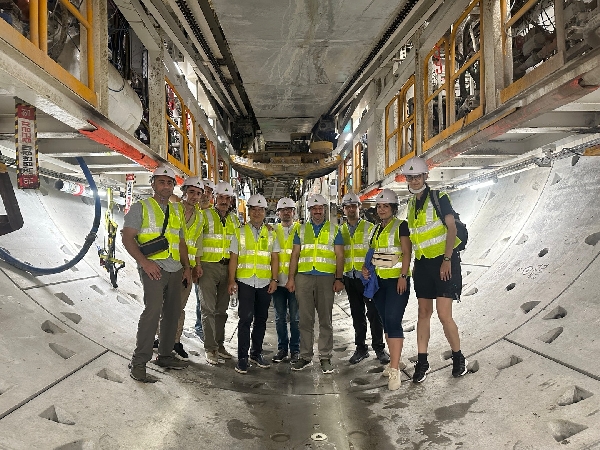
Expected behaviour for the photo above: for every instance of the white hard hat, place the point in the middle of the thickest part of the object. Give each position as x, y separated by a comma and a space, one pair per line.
415, 166
387, 196
286, 202
316, 200
350, 199
164, 170
224, 188
209, 184
194, 182
257, 200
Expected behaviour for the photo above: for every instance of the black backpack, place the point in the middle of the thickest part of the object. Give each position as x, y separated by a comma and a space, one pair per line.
461, 228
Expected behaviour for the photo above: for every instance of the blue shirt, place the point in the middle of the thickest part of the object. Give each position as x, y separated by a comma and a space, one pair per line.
339, 240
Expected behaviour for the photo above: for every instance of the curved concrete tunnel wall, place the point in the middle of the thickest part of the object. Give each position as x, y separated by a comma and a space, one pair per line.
528, 321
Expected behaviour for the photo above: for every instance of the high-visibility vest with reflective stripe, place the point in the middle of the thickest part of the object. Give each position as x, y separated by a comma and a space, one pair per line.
153, 218
217, 238
254, 258
355, 247
192, 232
317, 253
389, 242
427, 231
286, 245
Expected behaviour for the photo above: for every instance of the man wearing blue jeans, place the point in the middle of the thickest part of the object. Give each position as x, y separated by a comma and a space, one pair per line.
284, 300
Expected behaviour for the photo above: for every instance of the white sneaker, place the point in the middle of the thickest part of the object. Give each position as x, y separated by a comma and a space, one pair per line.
394, 383
212, 357
386, 369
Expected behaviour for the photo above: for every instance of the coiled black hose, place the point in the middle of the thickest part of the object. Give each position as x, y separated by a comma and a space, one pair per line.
89, 240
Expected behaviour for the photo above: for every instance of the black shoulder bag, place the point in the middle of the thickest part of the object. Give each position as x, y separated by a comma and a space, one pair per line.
461, 228
158, 244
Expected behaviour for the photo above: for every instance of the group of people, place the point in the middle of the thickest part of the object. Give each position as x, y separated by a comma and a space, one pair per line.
300, 266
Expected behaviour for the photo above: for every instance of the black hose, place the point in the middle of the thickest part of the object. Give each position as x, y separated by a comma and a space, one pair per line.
89, 240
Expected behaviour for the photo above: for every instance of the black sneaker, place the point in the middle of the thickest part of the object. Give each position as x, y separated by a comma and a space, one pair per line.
281, 355
155, 346
421, 371
358, 356
301, 364
242, 366
383, 357
170, 362
295, 357
180, 353
259, 361
459, 366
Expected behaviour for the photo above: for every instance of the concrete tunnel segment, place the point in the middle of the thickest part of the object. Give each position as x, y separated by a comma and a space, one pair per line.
528, 320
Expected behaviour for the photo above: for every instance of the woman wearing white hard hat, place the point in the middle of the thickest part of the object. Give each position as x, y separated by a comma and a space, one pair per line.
437, 273
253, 270
390, 241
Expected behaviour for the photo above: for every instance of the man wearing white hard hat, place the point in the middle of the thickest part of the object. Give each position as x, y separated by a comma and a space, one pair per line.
220, 228
318, 257
153, 235
284, 301
356, 232
205, 203
192, 189
437, 272
253, 269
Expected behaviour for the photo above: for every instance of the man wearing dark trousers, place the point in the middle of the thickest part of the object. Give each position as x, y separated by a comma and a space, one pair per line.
356, 233
162, 272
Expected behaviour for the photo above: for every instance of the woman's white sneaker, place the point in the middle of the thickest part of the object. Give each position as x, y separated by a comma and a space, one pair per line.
394, 383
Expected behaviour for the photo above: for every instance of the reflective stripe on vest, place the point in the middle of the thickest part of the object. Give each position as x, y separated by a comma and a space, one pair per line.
153, 218
427, 231
254, 258
192, 232
355, 247
217, 238
286, 244
317, 253
389, 242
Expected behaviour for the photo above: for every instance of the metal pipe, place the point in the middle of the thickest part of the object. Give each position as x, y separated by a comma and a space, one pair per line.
34, 30
90, 43
43, 25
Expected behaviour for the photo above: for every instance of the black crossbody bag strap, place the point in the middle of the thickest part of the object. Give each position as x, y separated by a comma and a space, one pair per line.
434, 196
164, 228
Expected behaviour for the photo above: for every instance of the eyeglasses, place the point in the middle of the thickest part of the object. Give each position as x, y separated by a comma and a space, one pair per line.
413, 177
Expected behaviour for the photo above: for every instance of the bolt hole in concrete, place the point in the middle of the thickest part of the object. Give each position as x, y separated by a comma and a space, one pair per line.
58, 415
551, 335
473, 366
73, 317
73, 269
340, 349
280, 437
51, 328
64, 297
61, 351
563, 429
528, 306
359, 382
122, 300
509, 362
5, 387
447, 355
557, 313
109, 375
376, 370
511, 286
368, 397
318, 437
471, 292
573, 395
77, 445
543, 252
523, 239
97, 289
592, 239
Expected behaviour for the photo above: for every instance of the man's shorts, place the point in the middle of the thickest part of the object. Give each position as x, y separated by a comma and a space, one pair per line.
427, 280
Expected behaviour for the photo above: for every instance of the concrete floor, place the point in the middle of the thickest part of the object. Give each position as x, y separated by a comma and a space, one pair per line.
528, 321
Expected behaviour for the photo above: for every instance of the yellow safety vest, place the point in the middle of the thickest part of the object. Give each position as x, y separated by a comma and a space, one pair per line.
217, 238
427, 231
355, 247
254, 258
285, 254
317, 253
389, 242
192, 232
153, 218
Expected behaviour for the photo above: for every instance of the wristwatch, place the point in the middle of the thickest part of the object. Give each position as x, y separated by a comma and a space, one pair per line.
403, 275
339, 279
275, 280
446, 258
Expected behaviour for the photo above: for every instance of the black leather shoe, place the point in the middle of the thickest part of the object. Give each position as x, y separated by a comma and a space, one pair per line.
358, 356
383, 357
